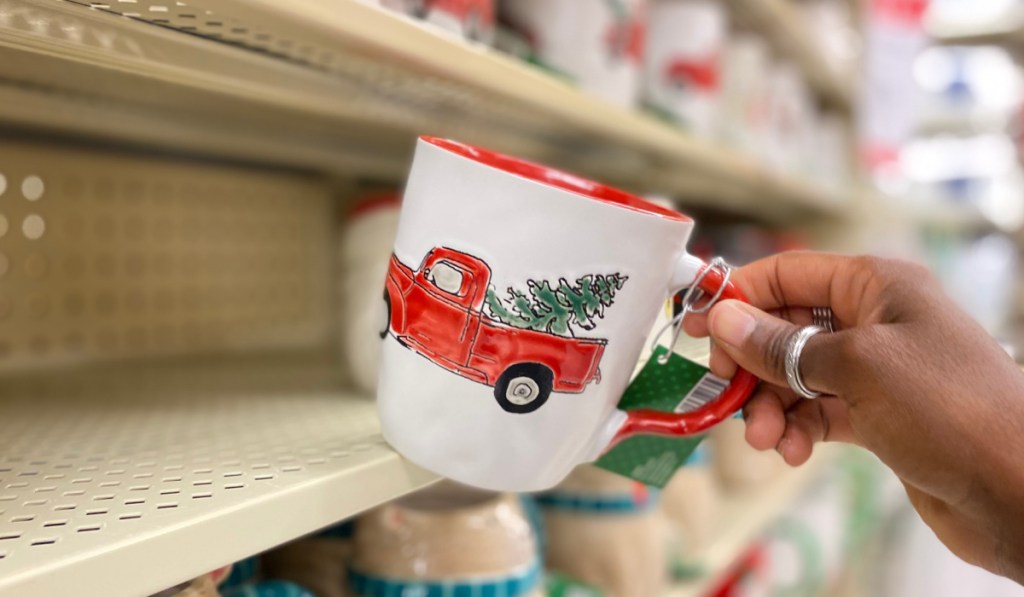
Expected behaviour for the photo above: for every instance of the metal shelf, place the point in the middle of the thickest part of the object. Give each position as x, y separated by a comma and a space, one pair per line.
745, 516
124, 481
343, 86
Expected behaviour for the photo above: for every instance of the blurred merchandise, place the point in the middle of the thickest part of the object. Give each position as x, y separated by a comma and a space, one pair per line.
806, 547
791, 118
369, 235
736, 464
240, 573
606, 531
472, 19
597, 43
690, 502
204, 586
319, 562
831, 25
682, 63
273, 588
744, 118
446, 538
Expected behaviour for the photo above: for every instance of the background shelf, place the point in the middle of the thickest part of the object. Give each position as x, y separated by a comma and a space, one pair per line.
345, 87
125, 481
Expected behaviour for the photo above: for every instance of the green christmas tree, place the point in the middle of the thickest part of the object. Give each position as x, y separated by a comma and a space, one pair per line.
556, 308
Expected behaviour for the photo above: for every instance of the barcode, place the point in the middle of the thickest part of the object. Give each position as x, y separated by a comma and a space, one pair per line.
707, 389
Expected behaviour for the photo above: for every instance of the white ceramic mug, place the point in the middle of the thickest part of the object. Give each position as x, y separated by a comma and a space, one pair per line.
597, 43
517, 302
682, 64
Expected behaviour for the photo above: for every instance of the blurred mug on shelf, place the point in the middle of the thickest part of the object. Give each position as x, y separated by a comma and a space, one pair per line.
319, 562
446, 540
472, 19
690, 503
368, 235
736, 464
606, 531
597, 43
682, 64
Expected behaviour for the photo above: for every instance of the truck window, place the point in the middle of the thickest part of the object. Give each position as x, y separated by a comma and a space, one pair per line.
446, 277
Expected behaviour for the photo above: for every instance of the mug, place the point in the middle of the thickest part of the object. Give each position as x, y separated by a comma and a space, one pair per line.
606, 531
446, 540
682, 64
517, 302
598, 44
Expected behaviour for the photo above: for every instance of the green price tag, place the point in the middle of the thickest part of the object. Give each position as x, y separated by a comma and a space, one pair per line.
678, 385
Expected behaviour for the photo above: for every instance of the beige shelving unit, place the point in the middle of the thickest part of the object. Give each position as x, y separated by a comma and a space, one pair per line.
191, 154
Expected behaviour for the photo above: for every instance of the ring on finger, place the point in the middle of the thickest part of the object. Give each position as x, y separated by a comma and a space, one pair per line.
794, 350
823, 317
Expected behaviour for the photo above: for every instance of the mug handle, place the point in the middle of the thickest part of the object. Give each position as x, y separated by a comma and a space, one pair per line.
733, 397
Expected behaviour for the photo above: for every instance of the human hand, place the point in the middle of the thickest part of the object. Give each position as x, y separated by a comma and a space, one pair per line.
912, 378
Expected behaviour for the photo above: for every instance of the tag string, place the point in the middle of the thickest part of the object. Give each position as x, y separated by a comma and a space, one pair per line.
693, 295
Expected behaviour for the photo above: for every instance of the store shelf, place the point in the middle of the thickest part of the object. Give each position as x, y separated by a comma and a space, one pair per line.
745, 516
124, 481
1007, 31
344, 86
780, 22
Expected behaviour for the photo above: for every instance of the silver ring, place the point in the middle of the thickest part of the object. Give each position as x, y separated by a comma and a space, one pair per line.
823, 318
794, 348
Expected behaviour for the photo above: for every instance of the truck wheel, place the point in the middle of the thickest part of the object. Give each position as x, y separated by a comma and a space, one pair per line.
523, 388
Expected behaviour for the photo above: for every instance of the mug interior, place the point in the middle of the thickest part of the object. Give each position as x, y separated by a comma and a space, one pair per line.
556, 178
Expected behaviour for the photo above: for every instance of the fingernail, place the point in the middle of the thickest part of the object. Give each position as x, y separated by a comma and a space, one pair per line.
731, 324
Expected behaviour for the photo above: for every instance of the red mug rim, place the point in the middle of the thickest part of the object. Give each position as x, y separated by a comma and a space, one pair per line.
556, 178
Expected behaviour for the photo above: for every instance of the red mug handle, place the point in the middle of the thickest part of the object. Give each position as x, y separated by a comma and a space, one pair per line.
699, 420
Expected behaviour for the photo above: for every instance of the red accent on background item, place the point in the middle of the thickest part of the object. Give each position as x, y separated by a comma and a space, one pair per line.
751, 563
461, 9
700, 74
652, 422
555, 178
909, 13
374, 203
452, 331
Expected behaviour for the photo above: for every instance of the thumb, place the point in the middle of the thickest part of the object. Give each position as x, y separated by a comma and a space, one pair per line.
758, 341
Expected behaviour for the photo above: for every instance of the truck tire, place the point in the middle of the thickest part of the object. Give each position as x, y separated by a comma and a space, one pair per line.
384, 329
524, 387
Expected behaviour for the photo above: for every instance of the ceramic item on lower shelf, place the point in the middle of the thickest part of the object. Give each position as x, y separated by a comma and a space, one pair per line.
690, 503
514, 325
318, 562
271, 588
204, 586
448, 540
736, 464
368, 235
606, 531
597, 43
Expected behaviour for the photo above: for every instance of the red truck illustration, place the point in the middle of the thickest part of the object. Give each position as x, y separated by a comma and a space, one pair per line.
438, 312
682, 74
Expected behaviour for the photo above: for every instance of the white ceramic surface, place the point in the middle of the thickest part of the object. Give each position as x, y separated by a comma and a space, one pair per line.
682, 64
597, 43
524, 230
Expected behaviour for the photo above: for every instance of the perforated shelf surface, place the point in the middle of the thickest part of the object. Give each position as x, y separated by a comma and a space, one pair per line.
128, 480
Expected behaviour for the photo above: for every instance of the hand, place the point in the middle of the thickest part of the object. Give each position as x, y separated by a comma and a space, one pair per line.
912, 378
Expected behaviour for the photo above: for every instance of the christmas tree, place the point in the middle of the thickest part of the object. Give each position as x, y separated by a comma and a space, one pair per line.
556, 309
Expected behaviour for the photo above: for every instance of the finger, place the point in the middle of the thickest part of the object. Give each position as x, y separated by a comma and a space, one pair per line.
720, 363
811, 421
696, 324
758, 342
804, 279
765, 417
